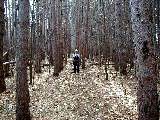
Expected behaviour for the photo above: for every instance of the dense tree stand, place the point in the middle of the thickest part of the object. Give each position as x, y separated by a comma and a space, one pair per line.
116, 44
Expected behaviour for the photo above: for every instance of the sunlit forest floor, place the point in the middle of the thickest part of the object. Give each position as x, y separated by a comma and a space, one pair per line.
84, 96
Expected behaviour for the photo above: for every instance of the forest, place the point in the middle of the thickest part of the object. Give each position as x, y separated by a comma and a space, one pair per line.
79, 59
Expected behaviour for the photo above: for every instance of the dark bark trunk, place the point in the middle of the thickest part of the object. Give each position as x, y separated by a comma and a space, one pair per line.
38, 41
158, 21
22, 91
146, 65
2, 25
120, 35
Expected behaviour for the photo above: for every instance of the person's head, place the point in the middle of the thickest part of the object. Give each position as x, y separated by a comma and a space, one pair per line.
76, 51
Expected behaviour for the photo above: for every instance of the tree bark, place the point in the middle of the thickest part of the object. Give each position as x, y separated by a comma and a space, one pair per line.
147, 73
38, 40
120, 37
2, 25
22, 91
158, 20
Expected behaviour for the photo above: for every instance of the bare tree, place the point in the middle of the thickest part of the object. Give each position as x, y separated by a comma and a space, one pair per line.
2, 26
147, 73
22, 91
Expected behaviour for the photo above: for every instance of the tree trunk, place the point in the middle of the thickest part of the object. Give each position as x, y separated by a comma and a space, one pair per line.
38, 40
6, 35
120, 37
22, 91
145, 60
158, 20
2, 25
58, 39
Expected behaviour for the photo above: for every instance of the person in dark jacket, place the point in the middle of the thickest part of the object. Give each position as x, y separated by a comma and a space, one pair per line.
76, 61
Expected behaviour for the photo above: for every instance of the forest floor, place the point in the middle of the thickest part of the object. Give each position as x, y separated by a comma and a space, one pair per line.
84, 96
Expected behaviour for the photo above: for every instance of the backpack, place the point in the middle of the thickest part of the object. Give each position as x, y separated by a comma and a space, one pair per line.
76, 59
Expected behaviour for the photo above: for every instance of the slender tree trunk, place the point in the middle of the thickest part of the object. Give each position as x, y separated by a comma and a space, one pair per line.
120, 37
22, 91
51, 30
145, 60
77, 26
31, 43
158, 20
38, 40
12, 34
118, 32
58, 39
10, 25
2, 25
6, 35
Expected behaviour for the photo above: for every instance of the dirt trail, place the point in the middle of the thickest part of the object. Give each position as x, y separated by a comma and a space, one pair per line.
83, 96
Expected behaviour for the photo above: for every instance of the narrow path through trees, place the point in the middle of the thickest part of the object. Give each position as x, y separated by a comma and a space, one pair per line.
84, 96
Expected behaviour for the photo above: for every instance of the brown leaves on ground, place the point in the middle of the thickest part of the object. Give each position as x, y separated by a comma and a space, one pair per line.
84, 96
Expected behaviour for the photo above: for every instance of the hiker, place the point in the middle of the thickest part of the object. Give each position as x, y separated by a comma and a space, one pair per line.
76, 61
